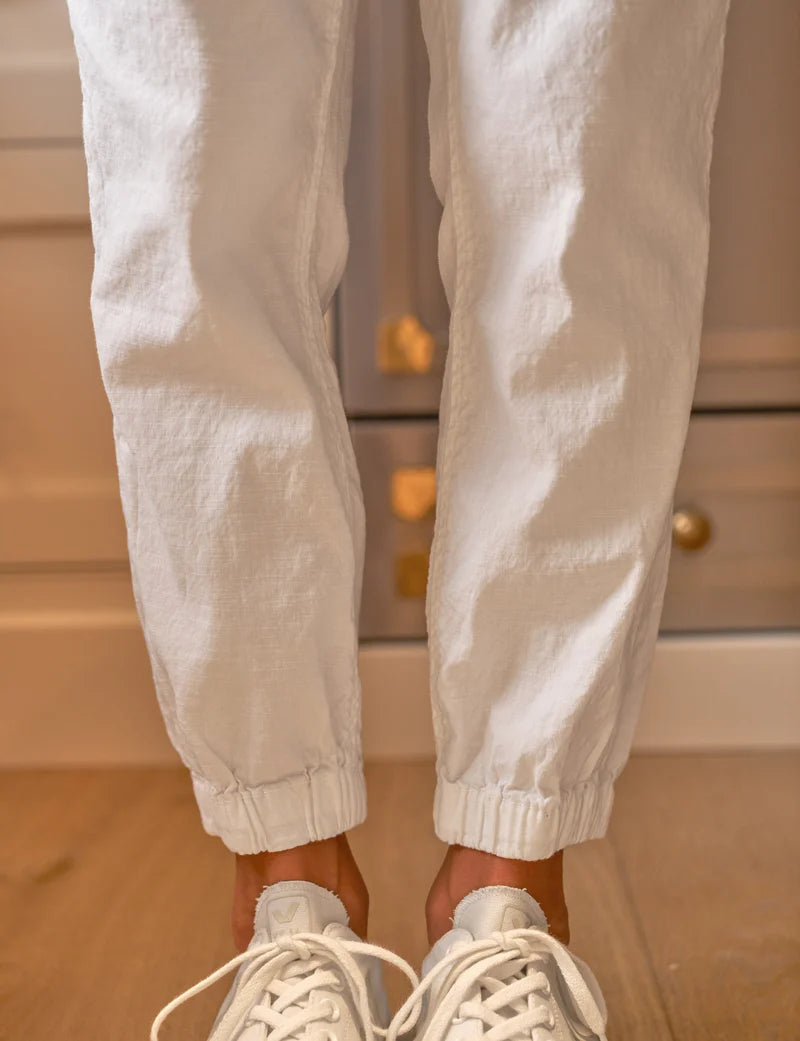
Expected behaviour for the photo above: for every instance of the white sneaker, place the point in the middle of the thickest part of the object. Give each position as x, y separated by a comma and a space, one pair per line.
304, 975
499, 975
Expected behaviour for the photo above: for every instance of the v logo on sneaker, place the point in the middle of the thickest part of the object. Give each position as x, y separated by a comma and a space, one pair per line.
288, 914
284, 917
514, 918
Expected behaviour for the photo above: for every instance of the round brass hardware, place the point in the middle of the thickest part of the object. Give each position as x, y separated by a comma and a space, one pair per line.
690, 530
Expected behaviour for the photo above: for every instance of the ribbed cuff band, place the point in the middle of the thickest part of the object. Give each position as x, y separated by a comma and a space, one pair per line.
305, 808
521, 825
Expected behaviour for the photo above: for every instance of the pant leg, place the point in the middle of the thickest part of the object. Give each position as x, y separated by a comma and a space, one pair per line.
571, 143
216, 137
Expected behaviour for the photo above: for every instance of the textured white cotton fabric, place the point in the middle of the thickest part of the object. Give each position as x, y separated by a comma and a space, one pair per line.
571, 142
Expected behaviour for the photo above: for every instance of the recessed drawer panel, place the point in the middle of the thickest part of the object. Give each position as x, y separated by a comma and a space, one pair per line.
735, 560
39, 84
393, 315
59, 493
43, 186
396, 461
739, 489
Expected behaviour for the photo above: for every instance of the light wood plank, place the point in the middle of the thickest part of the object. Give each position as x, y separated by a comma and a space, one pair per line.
119, 902
710, 851
606, 934
113, 900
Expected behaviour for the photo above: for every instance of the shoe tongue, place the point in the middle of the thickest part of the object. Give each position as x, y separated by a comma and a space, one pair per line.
287, 908
498, 909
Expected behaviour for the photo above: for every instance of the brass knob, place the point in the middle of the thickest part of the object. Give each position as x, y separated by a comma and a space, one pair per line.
414, 492
411, 575
690, 530
405, 346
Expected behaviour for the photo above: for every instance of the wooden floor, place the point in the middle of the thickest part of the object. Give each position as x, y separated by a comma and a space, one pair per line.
112, 899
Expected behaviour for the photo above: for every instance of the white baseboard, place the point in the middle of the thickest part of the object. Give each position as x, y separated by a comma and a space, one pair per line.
705, 693
76, 687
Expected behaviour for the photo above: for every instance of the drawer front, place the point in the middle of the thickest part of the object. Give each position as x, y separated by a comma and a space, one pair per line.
393, 315
741, 475
59, 496
396, 461
43, 186
39, 81
735, 560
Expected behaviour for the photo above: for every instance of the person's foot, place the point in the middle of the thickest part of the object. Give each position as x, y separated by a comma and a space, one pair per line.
329, 863
500, 971
304, 971
464, 870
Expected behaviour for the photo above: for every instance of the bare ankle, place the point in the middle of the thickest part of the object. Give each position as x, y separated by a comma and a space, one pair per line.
464, 870
329, 863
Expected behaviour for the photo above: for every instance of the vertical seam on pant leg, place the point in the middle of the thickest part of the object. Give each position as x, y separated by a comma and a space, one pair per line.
303, 275
447, 453
325, 373
356, 499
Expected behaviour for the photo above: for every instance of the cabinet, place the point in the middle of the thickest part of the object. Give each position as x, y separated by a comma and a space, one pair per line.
60, 506
739, 484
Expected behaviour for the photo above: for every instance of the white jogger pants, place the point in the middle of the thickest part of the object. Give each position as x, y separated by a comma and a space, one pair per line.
571, 143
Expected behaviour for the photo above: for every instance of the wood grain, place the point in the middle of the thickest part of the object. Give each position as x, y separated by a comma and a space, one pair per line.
709, 848
118, 902
113, 900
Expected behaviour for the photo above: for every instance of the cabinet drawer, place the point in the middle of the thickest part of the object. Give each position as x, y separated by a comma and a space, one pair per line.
735, 560
43, 186
394, 315
741, 473
59, 498
395, 460
39, 81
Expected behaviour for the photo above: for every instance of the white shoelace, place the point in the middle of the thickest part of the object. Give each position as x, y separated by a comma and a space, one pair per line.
276, 986
502, 973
